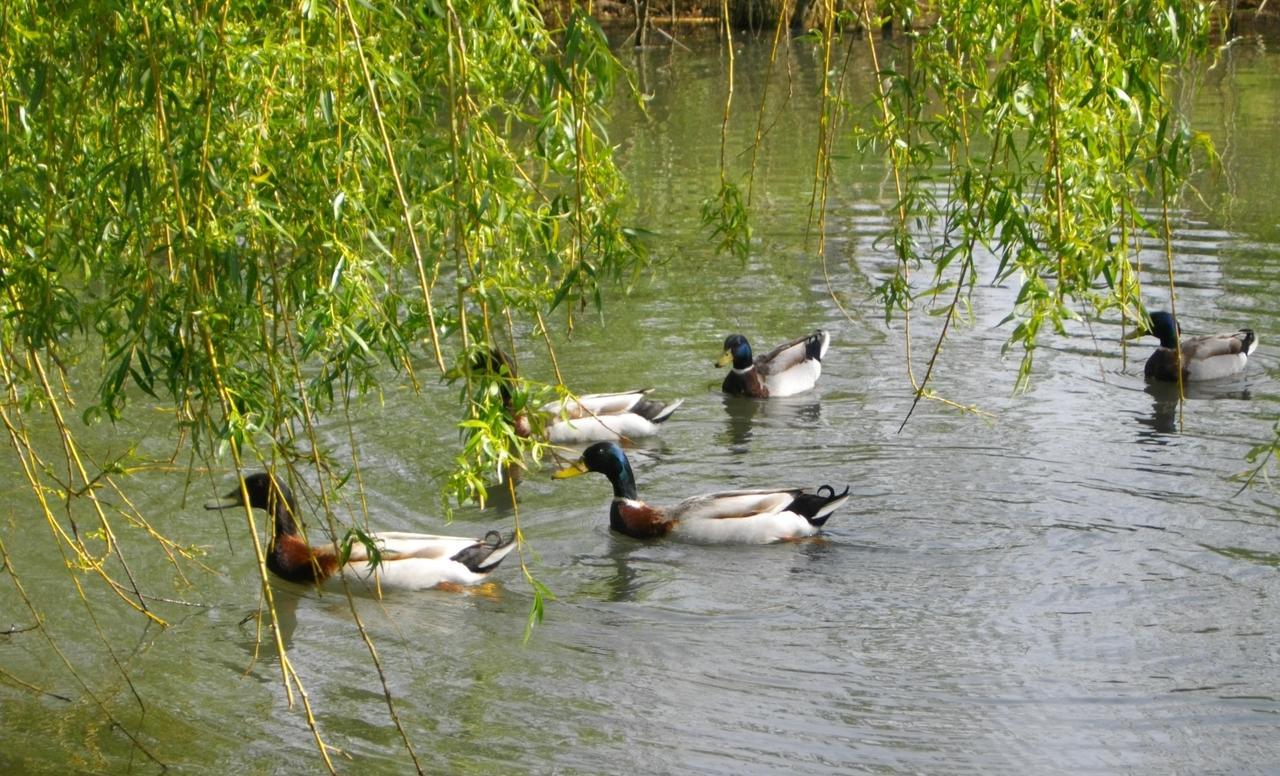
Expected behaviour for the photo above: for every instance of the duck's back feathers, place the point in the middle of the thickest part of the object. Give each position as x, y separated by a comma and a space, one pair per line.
595, 403
810, 347
422, 561
733, 503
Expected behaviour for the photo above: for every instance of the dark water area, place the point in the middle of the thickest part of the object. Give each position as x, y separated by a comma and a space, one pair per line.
1071, 582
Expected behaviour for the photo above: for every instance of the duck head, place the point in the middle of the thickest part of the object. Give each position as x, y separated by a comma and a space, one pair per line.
264, 492
608, 459
1164, 327
736, 351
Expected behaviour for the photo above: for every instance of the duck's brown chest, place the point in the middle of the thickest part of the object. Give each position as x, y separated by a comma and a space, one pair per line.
293, 560
639, 521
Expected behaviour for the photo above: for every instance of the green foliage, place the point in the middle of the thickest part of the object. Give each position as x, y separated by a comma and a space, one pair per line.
727, 217
252, 210
1036, 132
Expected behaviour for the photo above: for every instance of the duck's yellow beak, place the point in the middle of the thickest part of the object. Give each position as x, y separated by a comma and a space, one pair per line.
1138, 333
572, 470
725, 359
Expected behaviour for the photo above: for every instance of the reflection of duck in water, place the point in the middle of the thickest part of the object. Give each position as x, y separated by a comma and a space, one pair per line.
405, 561
743, 415
790, 368
739, 516
1166, 400
1200, 358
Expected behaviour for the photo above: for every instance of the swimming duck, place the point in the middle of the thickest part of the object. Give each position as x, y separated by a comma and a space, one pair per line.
1203, 358
408, 561
589, 417
735, 516
788, 369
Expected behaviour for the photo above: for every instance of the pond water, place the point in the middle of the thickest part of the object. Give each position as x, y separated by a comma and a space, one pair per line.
1073, 584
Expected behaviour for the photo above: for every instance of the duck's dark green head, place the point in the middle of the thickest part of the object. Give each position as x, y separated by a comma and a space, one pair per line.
608, 459
736, 350
1164, 327
264, 492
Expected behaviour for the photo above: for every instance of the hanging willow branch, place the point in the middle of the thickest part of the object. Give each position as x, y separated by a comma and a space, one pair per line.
251, 214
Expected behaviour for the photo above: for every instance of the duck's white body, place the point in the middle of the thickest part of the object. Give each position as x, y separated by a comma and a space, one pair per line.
746, 517
412, 561
601, 417
791, 371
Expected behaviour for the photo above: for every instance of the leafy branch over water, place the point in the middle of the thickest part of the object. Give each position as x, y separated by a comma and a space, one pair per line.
1036, 134
252, 212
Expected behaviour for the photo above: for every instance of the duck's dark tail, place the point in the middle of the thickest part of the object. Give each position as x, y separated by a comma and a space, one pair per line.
656, 411
1250, 342
485, 555
817, 507
816, 344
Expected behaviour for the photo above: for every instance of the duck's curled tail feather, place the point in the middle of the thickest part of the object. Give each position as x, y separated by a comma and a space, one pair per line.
485, 555
817, 507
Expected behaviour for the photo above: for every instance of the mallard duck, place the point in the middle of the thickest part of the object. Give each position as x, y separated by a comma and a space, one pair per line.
786, 370
736, 516
589, 417
407, 561
1203, 358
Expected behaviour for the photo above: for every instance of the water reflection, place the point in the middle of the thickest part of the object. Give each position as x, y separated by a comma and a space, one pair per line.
621, 580
1166, 408
256, 623
743, 414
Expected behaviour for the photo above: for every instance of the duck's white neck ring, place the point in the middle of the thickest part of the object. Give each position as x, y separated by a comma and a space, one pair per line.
736, 370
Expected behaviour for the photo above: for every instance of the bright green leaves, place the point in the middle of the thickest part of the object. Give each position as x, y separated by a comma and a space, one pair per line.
727, 217
1048, 126
297, 194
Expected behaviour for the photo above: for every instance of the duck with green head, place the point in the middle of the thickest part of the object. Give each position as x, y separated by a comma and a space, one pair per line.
1207, 357
792, 367
735, 516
